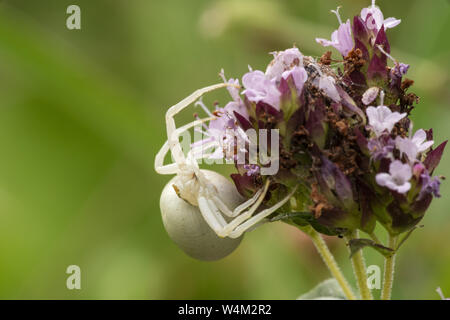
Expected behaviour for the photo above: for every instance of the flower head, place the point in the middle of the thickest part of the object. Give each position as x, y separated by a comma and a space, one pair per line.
252, 169
299, 76
412, 147
283, 61
398, 71
381, 147
287, 63
398, 177
223, 130
258, 87
430, 185
328, 85
382, 119
375, 20
341, 38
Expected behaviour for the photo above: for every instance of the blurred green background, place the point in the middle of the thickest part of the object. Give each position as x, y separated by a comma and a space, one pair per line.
81, 119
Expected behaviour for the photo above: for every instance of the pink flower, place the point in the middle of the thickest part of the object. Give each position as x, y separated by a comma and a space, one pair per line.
287, 63
376, 19
252, 169
382, 119
328, 85
341, 38
381, 147
299, 75
414, 146
222, 130
283, 61
398, 71
258, 88
398, 177
430, 185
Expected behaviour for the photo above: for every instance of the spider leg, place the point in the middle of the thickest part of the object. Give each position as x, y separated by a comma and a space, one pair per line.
174, 144
245, 215
212, 215
159, 159
213, 218
176, 133
222, 206
199, 152
259, 217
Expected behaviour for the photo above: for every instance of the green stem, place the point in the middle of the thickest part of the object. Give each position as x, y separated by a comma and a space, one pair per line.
359, 269
389, 266
329, 260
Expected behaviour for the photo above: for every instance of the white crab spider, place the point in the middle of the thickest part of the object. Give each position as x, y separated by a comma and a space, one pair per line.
200, 188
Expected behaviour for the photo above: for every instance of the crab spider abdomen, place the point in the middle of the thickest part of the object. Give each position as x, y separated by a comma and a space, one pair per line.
186, 226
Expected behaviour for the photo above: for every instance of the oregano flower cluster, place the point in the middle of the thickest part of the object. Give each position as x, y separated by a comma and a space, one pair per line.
345, 132
337, 136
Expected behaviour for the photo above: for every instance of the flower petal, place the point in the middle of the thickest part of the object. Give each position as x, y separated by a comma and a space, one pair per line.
425, 146
383, 178
284, 61
324, 42
403, 188
419, 137
391, 22
400, 171
327, 84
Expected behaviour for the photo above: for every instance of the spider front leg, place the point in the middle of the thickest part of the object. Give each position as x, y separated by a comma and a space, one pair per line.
174, 167
174, 144
159, 161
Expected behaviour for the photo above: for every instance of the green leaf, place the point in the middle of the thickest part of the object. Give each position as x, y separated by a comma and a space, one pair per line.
307, 218
326, 290
358, 244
